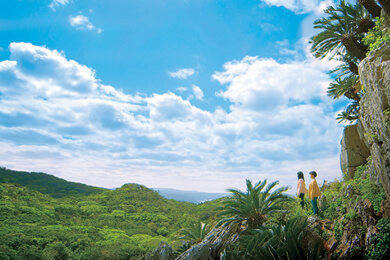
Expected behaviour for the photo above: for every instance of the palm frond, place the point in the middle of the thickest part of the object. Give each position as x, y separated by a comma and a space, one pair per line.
350, 114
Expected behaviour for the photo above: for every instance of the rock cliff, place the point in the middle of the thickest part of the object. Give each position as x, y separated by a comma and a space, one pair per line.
354, 151
370, 137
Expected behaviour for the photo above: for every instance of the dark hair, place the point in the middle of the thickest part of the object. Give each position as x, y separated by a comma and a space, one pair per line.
314, 173
300, 175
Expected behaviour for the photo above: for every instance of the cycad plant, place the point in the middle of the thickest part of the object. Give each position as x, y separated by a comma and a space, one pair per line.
341, 39
279, 241
340, 32
192, 234
350, 114
348, 86
276, 242
250, 209
195, 232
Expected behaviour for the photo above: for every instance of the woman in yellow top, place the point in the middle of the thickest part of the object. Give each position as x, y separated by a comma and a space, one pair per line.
301, 187
314, 191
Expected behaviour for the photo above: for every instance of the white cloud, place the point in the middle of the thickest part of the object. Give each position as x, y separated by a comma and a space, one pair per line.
56, 117
197, 92
81, 22
264, 84
182, 73
181, 89
56, 3
297, 6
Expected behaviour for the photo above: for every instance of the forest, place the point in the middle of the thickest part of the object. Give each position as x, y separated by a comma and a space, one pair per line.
111, 224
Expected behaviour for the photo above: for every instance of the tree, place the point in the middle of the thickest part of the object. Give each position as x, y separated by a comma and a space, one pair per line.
340, 32
251, 208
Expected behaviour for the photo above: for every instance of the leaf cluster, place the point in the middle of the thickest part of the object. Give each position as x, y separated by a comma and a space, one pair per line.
380, 243
253, 207
379, 35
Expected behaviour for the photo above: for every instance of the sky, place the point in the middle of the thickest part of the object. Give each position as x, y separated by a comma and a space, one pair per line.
184, 94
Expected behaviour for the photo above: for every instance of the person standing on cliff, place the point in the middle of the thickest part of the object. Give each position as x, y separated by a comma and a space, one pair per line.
301, 187
314, 192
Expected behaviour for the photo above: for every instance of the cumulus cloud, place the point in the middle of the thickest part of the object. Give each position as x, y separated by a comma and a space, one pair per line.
182, 73
256, 83
81, 22
297, 6
55, 3
287, 116
56, 117
197, 92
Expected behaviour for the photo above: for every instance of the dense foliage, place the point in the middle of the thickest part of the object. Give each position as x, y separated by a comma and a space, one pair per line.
360, 187
347, 33
380, 246
47, 184
120, 224
378, 35
264, 233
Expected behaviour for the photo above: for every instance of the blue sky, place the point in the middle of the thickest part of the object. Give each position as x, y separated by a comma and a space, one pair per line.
186, 94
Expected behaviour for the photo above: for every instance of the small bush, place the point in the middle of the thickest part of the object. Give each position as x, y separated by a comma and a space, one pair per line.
380, 243
377, 36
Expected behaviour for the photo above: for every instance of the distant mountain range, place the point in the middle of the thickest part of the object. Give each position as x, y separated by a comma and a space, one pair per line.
189, 196
58, 188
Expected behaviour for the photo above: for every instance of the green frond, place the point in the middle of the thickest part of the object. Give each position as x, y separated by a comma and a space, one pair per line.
350, 114
252, 206
340, 86
343, 21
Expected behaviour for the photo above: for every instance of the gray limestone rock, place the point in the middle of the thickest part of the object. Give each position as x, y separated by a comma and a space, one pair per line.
375, 113
163, 252
354, 152
213, 244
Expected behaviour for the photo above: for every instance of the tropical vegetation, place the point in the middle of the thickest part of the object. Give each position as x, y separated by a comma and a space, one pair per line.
253, 207
264, 233
348, 33
115, 224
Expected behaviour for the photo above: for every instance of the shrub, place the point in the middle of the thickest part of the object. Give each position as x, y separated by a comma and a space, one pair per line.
380, 243
378, 35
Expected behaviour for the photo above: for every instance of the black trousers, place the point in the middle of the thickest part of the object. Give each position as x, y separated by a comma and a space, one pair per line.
302, 195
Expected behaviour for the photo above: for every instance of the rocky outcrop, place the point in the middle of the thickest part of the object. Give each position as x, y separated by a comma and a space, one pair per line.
357, 231
354, 151
162, 252
385, 209
213, 244
374, 121
347, 236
